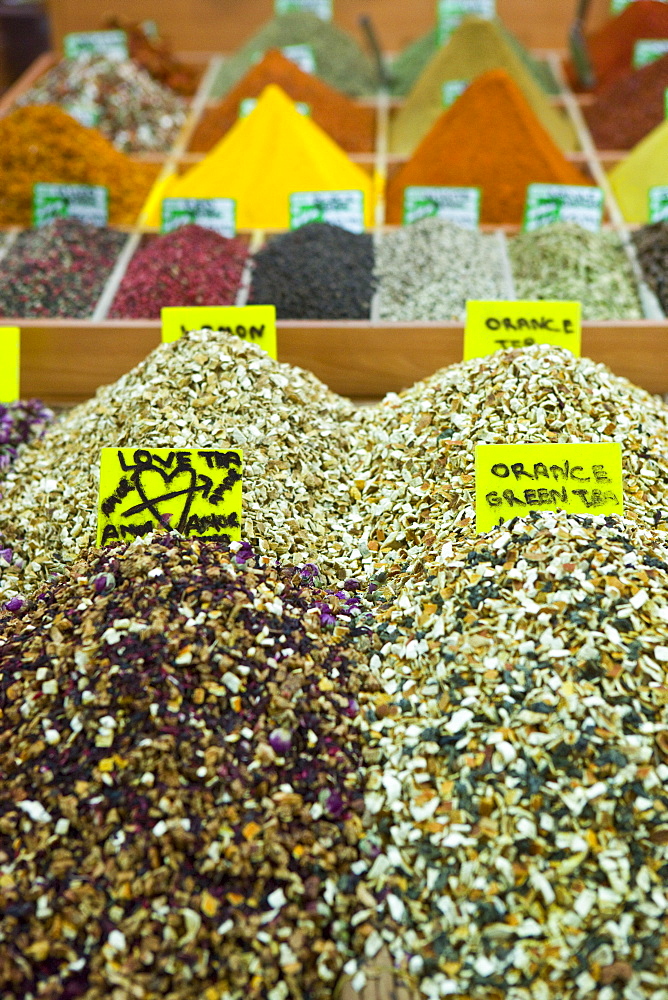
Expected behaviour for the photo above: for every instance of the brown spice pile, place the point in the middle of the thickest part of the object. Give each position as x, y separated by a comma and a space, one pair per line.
351, 126
629, 108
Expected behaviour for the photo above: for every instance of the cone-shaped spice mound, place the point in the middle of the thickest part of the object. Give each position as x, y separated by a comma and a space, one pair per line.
44, 145
263, 159
476, 47
351, 126
611, 47
180, 797
641, 94
491, 139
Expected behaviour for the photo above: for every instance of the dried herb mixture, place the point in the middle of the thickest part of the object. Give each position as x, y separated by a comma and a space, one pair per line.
181, 806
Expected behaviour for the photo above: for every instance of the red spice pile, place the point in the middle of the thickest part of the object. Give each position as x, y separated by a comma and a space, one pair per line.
351, 126
611, 47
489, 139
191, 266
628, 109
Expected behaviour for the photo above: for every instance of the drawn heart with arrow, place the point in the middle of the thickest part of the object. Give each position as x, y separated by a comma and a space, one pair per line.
167, 496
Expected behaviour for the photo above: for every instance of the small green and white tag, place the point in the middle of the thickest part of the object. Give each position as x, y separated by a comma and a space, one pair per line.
459, 205
549, 203
339, 208
302, 56
451, 13
112, 44
219, 214
321, 8
451, 90
70, 201
249, 104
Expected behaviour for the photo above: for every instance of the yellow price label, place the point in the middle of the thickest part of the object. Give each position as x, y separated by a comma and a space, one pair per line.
513, 479
195, 492
500, 326
256, 324
10, 363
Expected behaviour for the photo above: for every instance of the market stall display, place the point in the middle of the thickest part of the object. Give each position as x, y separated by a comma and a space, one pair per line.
318, 271
644, 168
377, 748
155, 55
611, 47
642, 95
565, 261
58, 270
427, 271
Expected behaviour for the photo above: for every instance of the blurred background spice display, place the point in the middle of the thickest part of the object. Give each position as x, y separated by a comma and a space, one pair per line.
365, 752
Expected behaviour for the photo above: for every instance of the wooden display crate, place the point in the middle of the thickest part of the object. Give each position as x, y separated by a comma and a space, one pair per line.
65, 361
202, 25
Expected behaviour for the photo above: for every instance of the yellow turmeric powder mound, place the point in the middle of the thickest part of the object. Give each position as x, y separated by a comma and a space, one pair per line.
476, 47
45, 145
489, 139
645, 167
263, 159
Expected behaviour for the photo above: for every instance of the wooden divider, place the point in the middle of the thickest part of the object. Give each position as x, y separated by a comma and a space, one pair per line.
66, 363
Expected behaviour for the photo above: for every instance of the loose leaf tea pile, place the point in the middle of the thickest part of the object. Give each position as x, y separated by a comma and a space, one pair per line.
58, 270
351, 126
46, 145
418, 474
520, 799
133, 111
181, 806
210, 390
191, 266
565, 261
318, 271
427, 271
